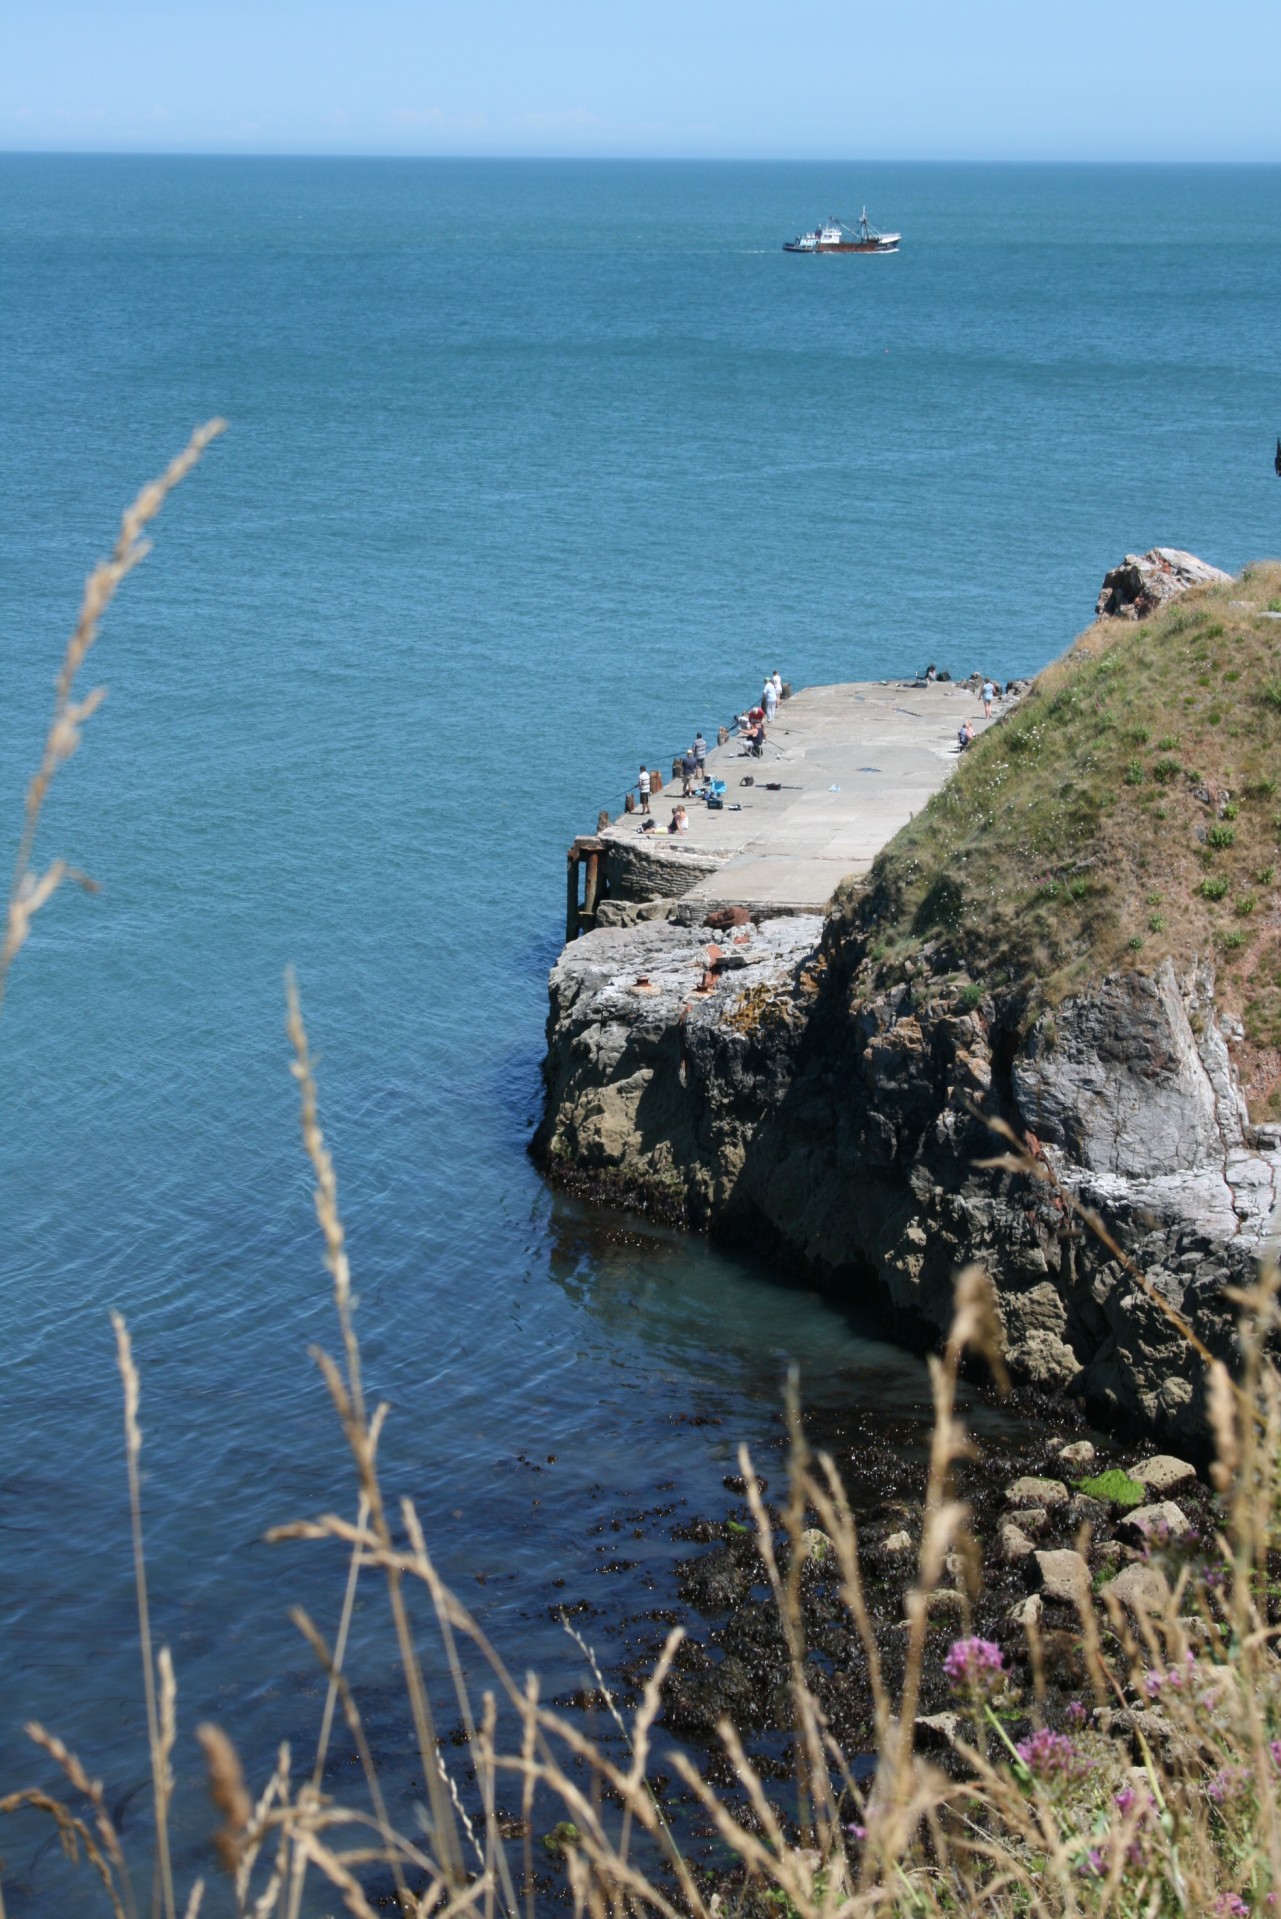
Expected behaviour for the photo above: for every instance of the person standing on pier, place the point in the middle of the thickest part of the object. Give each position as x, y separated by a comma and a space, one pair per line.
769, 700
777, 678
689, 771
642, 787
700, 755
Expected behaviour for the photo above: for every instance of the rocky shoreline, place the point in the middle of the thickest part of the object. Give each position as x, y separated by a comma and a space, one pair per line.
842, 1135
1043, 1548
758, 1076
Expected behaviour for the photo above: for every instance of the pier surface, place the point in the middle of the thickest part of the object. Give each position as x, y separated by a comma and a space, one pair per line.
852, 764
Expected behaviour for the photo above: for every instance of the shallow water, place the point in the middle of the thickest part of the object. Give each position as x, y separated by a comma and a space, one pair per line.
497, 513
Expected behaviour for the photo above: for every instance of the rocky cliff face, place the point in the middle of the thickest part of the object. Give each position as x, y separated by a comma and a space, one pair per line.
740, 1082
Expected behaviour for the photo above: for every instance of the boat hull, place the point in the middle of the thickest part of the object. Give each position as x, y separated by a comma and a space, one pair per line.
846, 246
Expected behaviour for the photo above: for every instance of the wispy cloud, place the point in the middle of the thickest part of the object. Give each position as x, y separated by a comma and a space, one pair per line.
569, 120
436, 120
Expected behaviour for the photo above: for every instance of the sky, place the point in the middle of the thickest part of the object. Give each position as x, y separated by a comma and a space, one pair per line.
769, 79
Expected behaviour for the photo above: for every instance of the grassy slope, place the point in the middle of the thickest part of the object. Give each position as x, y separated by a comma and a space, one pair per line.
1129, 809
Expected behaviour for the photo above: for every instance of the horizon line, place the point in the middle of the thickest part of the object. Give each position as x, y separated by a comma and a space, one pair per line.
623, 159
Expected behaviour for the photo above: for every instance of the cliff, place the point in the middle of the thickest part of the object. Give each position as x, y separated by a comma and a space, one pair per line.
1079, 935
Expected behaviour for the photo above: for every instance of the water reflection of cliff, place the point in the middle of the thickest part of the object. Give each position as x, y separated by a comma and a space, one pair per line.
729, 1324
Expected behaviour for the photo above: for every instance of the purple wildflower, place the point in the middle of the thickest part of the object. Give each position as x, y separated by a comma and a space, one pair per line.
1093, 1865
1125, 1799
976, 1666
1175, 1677
1228, 1783
1274, 1747
1230, 1905
1051, 1756
1076, 1714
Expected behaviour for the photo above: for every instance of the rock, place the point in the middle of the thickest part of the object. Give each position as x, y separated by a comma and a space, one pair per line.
1084, 1511
1163, 1474
1078, 1455
735, 1483
1153, 1524
1032, 1520
936, 1731
1153, 1110
723, 917
1015, 1544
1029, 1491
1062, 1576
897, 1544
1143, 582
1164, 1739
1027, 1612
943, 1599
816, 1545
633, 912
1140, 1589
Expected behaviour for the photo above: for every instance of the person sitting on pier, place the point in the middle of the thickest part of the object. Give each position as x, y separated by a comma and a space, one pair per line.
679, 822
964, 735
754, 737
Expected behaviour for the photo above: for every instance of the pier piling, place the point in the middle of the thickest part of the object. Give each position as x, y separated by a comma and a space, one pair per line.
586, 853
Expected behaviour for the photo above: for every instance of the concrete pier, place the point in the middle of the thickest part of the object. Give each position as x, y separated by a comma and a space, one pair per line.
843, 769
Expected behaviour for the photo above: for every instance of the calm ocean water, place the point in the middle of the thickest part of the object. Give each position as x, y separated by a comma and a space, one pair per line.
532, 469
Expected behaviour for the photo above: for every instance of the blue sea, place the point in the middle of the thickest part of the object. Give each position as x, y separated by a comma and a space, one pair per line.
531, 470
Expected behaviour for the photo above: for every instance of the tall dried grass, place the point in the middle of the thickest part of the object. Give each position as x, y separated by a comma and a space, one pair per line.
1062, 1824
30, 890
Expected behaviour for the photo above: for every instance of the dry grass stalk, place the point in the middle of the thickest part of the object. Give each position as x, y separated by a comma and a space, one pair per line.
91, 1789
71, 1833
159, 1733
30, 890
348, 1396
229, 1794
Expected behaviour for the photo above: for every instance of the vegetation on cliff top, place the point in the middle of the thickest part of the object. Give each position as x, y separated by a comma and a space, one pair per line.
1129, 809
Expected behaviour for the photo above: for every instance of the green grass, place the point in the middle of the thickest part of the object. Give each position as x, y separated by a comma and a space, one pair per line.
1033, 868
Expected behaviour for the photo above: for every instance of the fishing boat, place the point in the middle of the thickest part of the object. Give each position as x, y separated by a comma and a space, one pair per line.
835, 237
